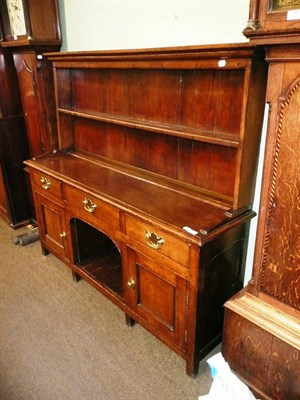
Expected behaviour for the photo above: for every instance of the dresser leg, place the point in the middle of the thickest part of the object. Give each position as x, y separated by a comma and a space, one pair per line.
45, 252
76, 277
129, 321
192, 366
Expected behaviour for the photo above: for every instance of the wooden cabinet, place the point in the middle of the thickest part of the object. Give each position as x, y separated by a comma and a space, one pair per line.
152, 182
268, 311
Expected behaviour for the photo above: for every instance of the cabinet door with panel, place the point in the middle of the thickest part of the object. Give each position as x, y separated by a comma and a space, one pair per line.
50, 213
51, 219
158, 296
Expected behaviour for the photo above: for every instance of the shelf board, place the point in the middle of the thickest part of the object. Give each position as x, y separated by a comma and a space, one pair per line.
185, 132
106, 270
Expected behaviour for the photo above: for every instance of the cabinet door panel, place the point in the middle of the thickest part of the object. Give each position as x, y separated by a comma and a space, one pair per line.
154, 293
52, 225
158, 296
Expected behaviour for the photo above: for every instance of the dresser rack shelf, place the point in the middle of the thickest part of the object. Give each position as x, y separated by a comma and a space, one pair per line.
185, 132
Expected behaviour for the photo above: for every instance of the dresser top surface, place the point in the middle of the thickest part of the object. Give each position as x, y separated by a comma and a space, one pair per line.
134, 193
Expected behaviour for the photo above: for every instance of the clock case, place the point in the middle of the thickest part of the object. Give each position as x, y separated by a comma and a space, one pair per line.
37, 33
27, 118
273, 22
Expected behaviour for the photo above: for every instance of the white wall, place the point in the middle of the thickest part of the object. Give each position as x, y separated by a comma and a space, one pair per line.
100, 24
123, 24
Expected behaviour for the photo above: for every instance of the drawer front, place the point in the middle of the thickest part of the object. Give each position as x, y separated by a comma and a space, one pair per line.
47, 185
92, 206
158, 240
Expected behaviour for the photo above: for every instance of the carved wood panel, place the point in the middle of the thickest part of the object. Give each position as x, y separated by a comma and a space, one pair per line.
280, 273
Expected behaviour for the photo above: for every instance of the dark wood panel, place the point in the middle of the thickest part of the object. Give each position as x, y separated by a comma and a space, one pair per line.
140, 94
4, 211
194, 99
13, 151
10, 101
221, 276
48, 13
199, 164
212, 100
62, 84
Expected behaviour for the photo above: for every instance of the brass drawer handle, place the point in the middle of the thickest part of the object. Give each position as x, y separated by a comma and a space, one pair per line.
63, 235
154, 241
45, 183
131, 283
89, 205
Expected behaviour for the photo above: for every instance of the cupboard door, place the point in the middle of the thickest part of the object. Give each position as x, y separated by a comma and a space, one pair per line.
52, 226
158, 296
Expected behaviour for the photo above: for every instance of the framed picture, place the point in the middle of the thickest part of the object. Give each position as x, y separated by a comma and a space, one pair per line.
277, 5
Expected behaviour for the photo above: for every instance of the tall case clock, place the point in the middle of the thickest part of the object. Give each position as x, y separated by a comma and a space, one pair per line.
261, 335
273, 21
31, 27
27, 29
30, 21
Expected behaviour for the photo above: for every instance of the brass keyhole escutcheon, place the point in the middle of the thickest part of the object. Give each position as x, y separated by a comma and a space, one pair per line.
154, 241
45, 183
89, 205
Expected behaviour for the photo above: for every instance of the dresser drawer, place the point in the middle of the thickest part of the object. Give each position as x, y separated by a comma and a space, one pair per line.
158, 240
92, 206
47, 185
